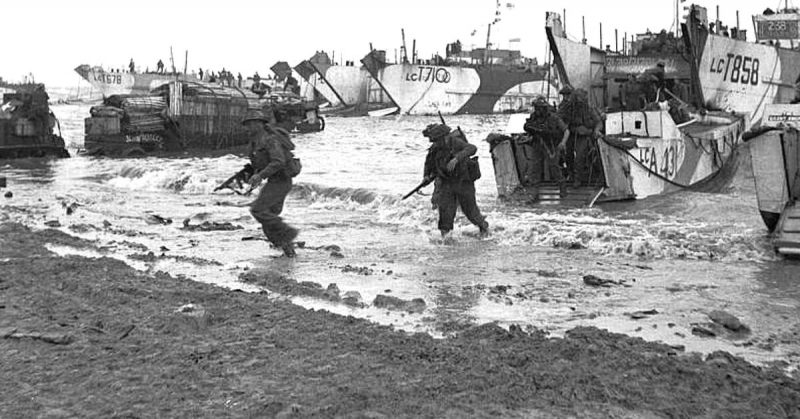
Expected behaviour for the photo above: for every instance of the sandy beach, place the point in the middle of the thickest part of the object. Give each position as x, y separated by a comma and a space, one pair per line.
88, 337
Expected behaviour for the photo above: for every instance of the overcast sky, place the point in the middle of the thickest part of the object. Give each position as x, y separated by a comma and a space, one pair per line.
49, 38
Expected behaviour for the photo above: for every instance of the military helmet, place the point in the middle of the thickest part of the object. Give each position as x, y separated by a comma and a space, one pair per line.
433, 131
566, 90
255, 115
540, 102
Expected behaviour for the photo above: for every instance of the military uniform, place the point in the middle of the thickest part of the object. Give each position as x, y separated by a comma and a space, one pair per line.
546, 130
269, 158
455, 188
583, 120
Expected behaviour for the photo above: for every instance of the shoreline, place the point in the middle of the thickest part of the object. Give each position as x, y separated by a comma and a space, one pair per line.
95, 337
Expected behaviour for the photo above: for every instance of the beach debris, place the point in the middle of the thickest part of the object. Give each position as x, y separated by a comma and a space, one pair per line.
547, 274
417, 305
727, 320
209, 226
8, 194
641, 314
247, 238
52, 223
596, 281
499, 289
154, 219
70, 208
49, 337
353, 299
703, 331
332, 292
568, 244
82, 228
337, 254
126, 331
189, 316
358, 270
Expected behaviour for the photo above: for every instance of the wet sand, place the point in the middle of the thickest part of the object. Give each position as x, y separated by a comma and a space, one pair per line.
86, 337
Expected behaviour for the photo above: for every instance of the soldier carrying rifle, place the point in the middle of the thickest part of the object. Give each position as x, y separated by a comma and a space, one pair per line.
448, 160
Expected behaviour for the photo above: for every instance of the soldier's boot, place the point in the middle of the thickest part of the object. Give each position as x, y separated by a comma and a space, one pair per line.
288, 242
447, 237
484, 229
562, 189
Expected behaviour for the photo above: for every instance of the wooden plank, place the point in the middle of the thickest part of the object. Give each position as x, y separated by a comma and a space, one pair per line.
505, 169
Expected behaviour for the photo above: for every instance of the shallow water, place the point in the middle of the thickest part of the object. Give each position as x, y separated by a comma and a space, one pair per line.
681, 255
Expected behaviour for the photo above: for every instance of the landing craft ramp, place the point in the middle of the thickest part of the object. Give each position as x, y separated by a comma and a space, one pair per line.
787, 235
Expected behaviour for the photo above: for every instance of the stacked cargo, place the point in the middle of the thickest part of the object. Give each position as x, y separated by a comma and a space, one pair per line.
185, 115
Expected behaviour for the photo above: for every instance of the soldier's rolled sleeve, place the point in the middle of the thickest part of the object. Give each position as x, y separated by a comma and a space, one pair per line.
462, 149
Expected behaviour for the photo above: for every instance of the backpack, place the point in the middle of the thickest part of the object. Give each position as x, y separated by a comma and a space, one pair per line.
293, 167
471, 169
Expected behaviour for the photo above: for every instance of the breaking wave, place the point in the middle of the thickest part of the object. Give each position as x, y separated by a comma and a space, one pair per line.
317, 193
170, 179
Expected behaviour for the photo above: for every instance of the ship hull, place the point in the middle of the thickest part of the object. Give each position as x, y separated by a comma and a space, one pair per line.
775, 159
121, 83
745, 77
637, 159
600, 74
347, 88
428, 90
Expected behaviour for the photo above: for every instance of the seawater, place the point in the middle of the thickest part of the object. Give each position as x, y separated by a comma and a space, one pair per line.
682, 254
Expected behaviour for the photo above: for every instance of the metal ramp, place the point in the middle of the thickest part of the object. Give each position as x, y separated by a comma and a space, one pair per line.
787, 234
548, 194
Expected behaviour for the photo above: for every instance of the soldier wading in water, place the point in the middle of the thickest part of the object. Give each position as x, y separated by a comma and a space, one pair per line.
448, 161
272, 159
549, 135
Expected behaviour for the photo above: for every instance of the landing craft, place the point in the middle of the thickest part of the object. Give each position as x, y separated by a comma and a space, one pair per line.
465, 82
349, 89
27, 124
110, 82
184, 115
775, 156
121, 82
762, 73
645, 151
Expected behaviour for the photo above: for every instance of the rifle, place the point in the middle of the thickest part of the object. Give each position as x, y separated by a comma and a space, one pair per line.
239, 178
458, 128
425, 182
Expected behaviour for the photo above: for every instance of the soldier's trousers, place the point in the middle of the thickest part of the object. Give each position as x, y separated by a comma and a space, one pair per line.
583, 145
267, 207
542, 162
453, 194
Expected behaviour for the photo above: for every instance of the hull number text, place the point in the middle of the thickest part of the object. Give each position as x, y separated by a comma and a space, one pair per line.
429, 74
737, 69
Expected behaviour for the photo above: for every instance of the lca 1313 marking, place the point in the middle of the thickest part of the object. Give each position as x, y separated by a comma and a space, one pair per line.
737, 68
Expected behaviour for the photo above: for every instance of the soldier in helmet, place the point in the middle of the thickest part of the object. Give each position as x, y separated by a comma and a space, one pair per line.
270, 153
447, 161
585, 125
549, 136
